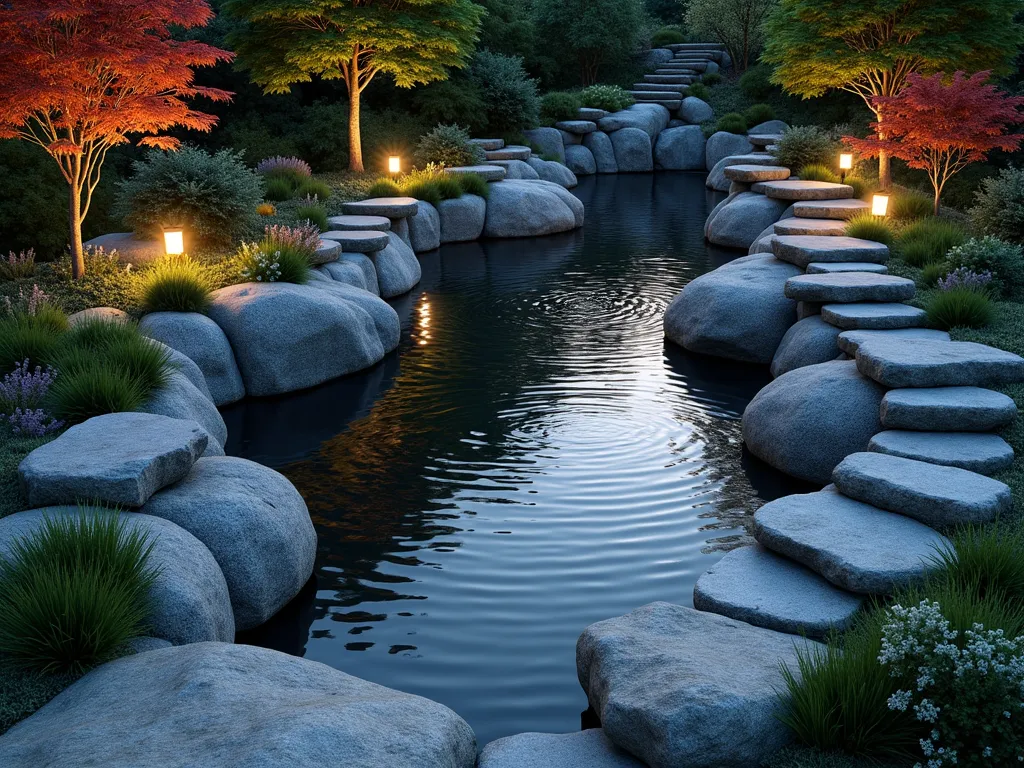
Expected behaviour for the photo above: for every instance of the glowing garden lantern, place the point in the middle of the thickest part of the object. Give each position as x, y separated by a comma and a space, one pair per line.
394, 164
845, 164
879, 205
174, 241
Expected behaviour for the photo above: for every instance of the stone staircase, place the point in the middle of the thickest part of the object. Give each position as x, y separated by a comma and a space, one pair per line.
670, 82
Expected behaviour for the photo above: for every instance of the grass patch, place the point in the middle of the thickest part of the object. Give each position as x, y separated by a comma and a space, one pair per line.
278, 190
473, 184
733, 122
756, 114
14, 448
929, 240
868, 227
176, 284
910, 205
818, 172
959, 307
931, 273
314, 188
384, 188
314, 213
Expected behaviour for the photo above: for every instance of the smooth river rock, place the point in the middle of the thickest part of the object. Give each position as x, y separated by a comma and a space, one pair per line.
663, 697
981, 452
424, 228
528, 209
680, 149
580, 160
547, 142
462, 219
652, 119
856, 546
808, 420
740, 222
737, 311
398, 269
549, 170
583, 749
722, 145
633, 150
810, 342
695, 111
180, 398
920, 363
217, 704
600, 146
947, 409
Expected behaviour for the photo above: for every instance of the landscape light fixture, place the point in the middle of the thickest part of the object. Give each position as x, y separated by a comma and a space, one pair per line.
845, 164
394, 164
174, 241
879, 205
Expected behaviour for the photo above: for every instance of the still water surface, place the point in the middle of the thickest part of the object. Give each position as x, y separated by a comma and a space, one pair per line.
534, 458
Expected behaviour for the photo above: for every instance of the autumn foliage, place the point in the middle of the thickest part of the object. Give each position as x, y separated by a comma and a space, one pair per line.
941, 125
78, 77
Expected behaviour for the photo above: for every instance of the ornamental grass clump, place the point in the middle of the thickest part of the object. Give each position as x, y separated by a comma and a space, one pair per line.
384, 188
313, 188
868, 227
74, 592
176, 284
473, 184
930, 273
929, 240
18, 265
959, 307
818, 172
22, 394
312, 212
910, 205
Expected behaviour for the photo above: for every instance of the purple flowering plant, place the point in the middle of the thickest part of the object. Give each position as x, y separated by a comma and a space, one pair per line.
22, 391
968, 279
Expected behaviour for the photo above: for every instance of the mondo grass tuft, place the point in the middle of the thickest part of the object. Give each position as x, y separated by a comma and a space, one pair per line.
424, 190
868, 227
449, 187
278, 190
314, 214
176, 284
911, 205
732, 123
89, 388
818, 172
313, 188
74, 592
929, 240
861, 187
932, 273
989, 557
473, 184
384, 188
758, 113
22, 337
959, 307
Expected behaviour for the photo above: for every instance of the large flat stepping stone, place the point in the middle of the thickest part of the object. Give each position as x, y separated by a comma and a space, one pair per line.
583, 749
748, 174
679, 88
764, 139
797, 225
803, 190
825, 268
487, 172
389, 207
877, 317
117, 459
578, 127
935, 495
488, 145
359, 223
755, 585
981, 452
591, 114
856, 546
803, 250
513, 152
920, 363
669, 79
325, 252
358, 242
849, 287
679, 688
670, 104
947, 409
850, 341
830, 209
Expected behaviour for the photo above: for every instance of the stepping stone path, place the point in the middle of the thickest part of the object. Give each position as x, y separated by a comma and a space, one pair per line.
936, 495
849, 287
389, 207
488, 145
947, 409
856, 546
980, 452
117, 459
849, 341
487, 172
326, 251
579, 127
657, 98
803, 190
359, 223
755, 585
803, 250
764, 140
797, 225
873, 316
588, 113
919, 363
359, 242
748, 174
509, 153
679, 88
830, 209
846, 266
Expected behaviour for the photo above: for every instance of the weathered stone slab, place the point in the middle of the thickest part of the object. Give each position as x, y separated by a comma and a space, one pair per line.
486, 172
920, 363
588, 113
488, 145
583, 749
936, 495
353, 241
117, 459
947, 409
716, 177
856, 546
846, 266
662, 696
517, 169
579, 127
980, 452
804, 190
810, 342
849, 287
755, 585
509, 152
748, 174
389, 207
829, 209
850, 341
797, 225
803, 250
873, 317
763, 139
357, 223
326, 251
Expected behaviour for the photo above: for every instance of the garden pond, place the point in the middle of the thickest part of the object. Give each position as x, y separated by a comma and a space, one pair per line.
534, 458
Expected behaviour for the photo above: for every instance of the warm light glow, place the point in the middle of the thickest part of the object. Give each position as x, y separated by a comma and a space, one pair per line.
394, 164
879, 205
845, 162
174, 242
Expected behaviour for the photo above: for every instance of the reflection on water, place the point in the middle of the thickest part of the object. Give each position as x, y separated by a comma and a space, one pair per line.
533, 459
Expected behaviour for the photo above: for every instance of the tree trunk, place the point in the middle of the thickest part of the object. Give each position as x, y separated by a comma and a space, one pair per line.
75, 226
884, 167
355, 144
937, 194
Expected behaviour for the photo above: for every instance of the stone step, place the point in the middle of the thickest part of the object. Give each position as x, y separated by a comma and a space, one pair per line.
667, 88
513, 152
755, 585
797, 225
856, 546
748, 174
829, 209
803, 250
487, 172
358, 242
713, 47
578, 127
900, 363
669, 79
849, 287
488, 144
677, 66
803, 190
326, 251
764, 140
591, 114
935, 495
389, 207
947, 409
874, 317
824, 268
981, 452
359, 223
849, 341
659, 98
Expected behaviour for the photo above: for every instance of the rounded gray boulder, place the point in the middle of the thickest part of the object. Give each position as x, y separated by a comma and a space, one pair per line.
547, 141
604, 153
398, 269
462, 219
809, 342
722, 145
425, 228
680, 149
580, 160
633, 151
740, 222
556, 173
527, 209
695, 111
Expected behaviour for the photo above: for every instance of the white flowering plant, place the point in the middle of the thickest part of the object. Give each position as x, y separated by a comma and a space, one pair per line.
968, 688
258, 265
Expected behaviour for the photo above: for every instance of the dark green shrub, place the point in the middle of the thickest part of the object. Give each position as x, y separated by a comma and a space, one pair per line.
313, 188
868, 227
384, 188
560, 105
929, 240
667, 36
312, 212
610, 98
176, 284
756, 82
931, 273
74, 592
758, 113
279, 190
1005, 261
698, 91
711, 78
999, 206
910, 205
213, 196
473, 184
509, 93
959, 308
448, 145
807, 145
732, 123
818, 172
455, 101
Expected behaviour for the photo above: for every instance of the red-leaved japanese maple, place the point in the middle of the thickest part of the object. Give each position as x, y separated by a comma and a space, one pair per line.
78, 76
941, 125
